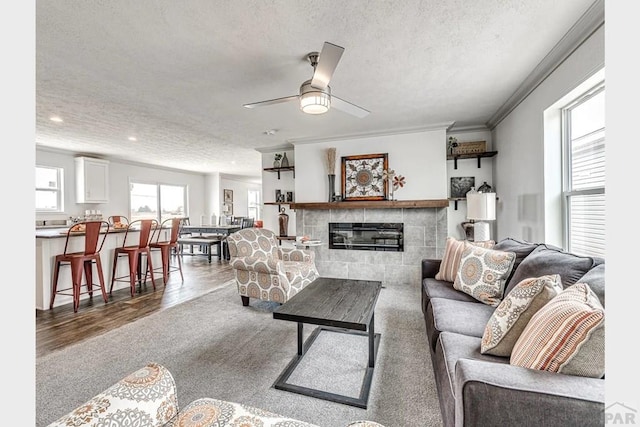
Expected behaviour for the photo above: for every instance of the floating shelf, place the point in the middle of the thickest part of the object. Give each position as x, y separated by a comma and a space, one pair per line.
478, 156
376, 204
284, 169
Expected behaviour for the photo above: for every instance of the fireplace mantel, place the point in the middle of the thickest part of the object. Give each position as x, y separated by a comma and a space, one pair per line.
374, 204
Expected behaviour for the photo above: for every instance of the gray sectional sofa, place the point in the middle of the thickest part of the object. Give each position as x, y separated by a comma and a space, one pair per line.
478, 389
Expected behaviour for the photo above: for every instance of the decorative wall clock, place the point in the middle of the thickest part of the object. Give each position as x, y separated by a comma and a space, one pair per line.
362, 177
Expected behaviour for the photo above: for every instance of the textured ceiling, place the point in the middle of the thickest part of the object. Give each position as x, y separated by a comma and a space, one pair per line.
175, 74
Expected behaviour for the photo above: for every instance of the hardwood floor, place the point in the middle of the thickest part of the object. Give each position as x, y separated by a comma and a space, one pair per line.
61, 327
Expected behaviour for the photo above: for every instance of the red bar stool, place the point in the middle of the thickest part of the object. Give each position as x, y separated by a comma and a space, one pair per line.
82, 260
134, 254
118, 221
167, 246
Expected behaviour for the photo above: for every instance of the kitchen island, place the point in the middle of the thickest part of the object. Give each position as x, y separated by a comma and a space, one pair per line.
50, 242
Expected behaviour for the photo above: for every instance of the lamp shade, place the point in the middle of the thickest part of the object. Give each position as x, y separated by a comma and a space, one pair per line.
481, 206
314, 101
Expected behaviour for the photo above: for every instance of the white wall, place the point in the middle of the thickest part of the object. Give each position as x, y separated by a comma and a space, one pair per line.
240, 186
120, 174
420, 157
519, 139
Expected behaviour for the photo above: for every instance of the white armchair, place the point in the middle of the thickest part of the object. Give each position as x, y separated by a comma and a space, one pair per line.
266, 271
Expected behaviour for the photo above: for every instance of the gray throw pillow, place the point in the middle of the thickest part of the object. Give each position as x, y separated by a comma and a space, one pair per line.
521, 248
546, 260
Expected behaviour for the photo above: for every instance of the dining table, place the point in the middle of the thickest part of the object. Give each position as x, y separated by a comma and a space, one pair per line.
223, 229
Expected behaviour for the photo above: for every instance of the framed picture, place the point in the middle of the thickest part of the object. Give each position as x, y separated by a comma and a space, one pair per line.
227, 209
460, 186
228, 196
362, 177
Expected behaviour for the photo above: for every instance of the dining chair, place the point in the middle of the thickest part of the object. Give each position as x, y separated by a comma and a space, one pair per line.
167, 246
82, 260
134, 254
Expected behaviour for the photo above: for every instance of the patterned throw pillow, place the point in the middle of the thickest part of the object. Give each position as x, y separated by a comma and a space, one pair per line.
483, 272
451, 260
565, 336
514, 312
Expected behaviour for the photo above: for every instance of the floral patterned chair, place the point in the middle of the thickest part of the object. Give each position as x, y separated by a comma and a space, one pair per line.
266, 271
148, 397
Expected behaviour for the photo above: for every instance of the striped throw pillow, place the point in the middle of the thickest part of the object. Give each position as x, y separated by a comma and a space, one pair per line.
565, 336
452, 253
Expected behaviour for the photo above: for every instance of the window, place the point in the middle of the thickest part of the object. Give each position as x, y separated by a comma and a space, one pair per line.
254, 204
49, 194
157, 201
584, 173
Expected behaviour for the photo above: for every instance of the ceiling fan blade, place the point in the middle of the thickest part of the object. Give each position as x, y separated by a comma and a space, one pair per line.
271, 102
348, 107
327, 63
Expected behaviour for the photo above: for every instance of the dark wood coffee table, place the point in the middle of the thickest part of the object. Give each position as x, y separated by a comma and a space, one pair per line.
338, 305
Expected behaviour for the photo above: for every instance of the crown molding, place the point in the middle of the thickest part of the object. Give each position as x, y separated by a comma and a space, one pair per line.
427, 128
274, 149
588, 24
468, 128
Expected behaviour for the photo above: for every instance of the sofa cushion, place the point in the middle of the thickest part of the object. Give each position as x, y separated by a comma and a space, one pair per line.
483, 272
595, 279
462, 317
451, 259
514, 312
565, 336
521, 248
546, 259
441, 289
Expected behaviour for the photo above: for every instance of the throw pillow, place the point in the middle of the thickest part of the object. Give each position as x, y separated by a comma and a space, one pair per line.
451, 260
522, 250
482, 273
512, 315
565, 336
546, 259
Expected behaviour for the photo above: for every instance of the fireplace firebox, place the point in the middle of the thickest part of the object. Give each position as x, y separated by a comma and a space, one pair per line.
367, 236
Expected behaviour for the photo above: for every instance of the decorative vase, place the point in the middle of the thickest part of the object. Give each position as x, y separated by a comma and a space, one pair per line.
484, 188
283, 221
284, 163
332, 187
276, 163
390, 191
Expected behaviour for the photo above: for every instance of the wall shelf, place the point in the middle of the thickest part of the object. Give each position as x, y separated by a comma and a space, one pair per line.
455, 201
283, 169
359, 204
478, 156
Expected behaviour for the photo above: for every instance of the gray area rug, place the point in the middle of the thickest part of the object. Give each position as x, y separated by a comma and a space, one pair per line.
215, 347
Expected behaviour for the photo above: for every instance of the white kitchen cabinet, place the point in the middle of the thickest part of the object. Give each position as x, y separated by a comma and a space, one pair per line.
92, 180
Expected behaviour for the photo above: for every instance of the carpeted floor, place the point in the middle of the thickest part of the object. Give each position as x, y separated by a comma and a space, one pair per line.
216, 348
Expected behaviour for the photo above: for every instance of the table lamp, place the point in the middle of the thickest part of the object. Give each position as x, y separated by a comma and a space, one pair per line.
481, 207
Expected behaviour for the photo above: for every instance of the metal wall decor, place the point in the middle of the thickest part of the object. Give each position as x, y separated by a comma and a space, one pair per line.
362, 177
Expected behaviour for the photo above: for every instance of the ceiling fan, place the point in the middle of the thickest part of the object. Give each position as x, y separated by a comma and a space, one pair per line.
315, 94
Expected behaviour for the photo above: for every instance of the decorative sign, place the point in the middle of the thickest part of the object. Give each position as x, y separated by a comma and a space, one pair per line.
362, 177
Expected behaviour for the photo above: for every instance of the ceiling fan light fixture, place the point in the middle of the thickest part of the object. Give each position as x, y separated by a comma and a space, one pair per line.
314, 101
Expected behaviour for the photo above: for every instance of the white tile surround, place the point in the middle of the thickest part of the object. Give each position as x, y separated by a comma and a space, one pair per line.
425, 233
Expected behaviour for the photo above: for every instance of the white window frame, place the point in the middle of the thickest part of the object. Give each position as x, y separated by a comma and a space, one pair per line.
257, 207
59, 190
567, 189
158, 197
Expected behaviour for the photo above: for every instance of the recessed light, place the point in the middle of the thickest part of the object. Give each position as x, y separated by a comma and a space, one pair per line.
133, 138
56, 119
270, 132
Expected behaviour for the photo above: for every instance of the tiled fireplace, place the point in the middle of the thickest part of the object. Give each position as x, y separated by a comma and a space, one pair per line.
424, 236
